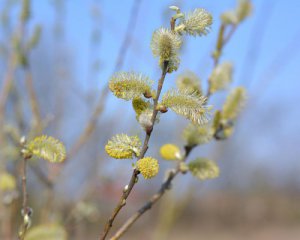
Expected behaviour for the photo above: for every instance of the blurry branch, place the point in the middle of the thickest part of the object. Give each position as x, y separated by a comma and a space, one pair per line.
170, 210
5, 89
135, 173
26, 212
11, 67
36, 122
230, 22
37, 119
43, 147
222, 40
32, 42
95, 37
19, 58
84, 136
166, 185
18, 113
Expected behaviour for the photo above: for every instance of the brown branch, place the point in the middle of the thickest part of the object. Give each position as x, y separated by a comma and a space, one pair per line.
37, 119
221, 43
132, 182
24, 185
154, 199
5, 90
8, 79
166, 185
25, 208
84, 136
229, 35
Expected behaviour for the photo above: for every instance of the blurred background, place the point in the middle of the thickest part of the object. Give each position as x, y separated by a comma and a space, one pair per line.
61, 91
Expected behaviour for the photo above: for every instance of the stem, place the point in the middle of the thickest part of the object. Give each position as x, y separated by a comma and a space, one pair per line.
221, 43
25, 197
8, 78
229, 35
37, 119
154, 199
132, 182
24, 186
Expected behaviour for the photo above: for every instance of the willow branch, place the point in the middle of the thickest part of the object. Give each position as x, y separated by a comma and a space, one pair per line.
25, 208
154, 199
84, 136
229, 35
37, 120
8, 78
221, 43
5, 89
24, 185
135, 173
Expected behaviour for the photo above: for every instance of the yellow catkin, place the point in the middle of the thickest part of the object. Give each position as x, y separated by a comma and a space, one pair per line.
192, 106
139, 105
170, 152
122, 146
190, 82
234, 103
165, 44
7, 182
48, 148
195, 135
148, 167
129, 85
204, 169
220, 77
196, 23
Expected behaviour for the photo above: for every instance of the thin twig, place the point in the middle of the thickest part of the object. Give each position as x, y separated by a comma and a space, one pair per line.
129, 187
24, 186
135, 173
8, 79
221, 43
148, 205
37, 119
5, 89
84, 136
229, 35
25, 207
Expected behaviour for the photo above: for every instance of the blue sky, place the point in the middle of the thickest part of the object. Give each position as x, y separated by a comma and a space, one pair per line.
280, 29
271, 119
270, 87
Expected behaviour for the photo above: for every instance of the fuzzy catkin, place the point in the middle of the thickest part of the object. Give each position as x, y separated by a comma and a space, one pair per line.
192, 106
48, 148
129, 85
148, 167
122, 146
165, 44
